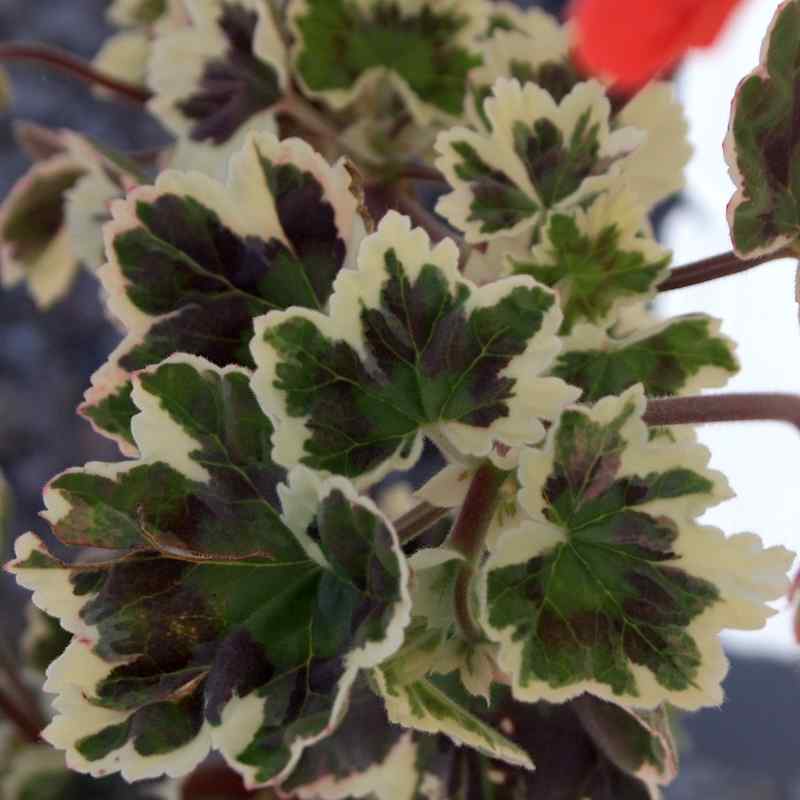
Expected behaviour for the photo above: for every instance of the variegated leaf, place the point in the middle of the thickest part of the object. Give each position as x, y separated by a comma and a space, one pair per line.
236, 611
598, 260
409, 348
573, 759
52, 218
43, 641
531, 46
217, 79
539, 156
424, 48
366, 756
682, 355
611, 587
138, 13
443, 649
762, 146
124, 56
37, 772
430, 708
193, 261
655, 171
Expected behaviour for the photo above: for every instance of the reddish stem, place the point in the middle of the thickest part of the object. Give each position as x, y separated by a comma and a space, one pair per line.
24, 724
709, 269
469, 539
724, 408
421, 172
72, 65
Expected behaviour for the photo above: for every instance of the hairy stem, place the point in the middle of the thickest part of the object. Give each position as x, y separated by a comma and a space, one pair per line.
469, 539
724, 408
709, 269
74, 66
419, 519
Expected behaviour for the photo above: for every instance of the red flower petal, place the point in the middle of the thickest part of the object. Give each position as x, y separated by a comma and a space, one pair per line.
632, 41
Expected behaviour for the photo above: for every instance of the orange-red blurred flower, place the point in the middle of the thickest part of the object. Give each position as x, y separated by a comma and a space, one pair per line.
632, 41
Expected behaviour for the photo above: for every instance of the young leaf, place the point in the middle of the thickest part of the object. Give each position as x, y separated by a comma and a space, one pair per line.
236, 612
597, 260
192, 262
573, 760
762, 147
424, 48
409, 348
426, 707
218, 78
538, 157
680, 356
611, 587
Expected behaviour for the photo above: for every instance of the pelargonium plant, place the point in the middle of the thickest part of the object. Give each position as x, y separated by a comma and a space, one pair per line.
381, 224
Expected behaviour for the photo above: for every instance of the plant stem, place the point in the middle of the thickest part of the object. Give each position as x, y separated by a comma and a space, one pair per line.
409, 205
304, 113
23, 693
709, 269
421, 172
724, 408
418, 520
24, 724
469, 539
72, 65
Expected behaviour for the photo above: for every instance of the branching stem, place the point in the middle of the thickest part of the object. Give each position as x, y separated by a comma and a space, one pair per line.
73, 65
724, 408
469, 539
709, 269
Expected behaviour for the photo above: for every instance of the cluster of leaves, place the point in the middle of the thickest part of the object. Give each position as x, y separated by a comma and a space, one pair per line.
231, 585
